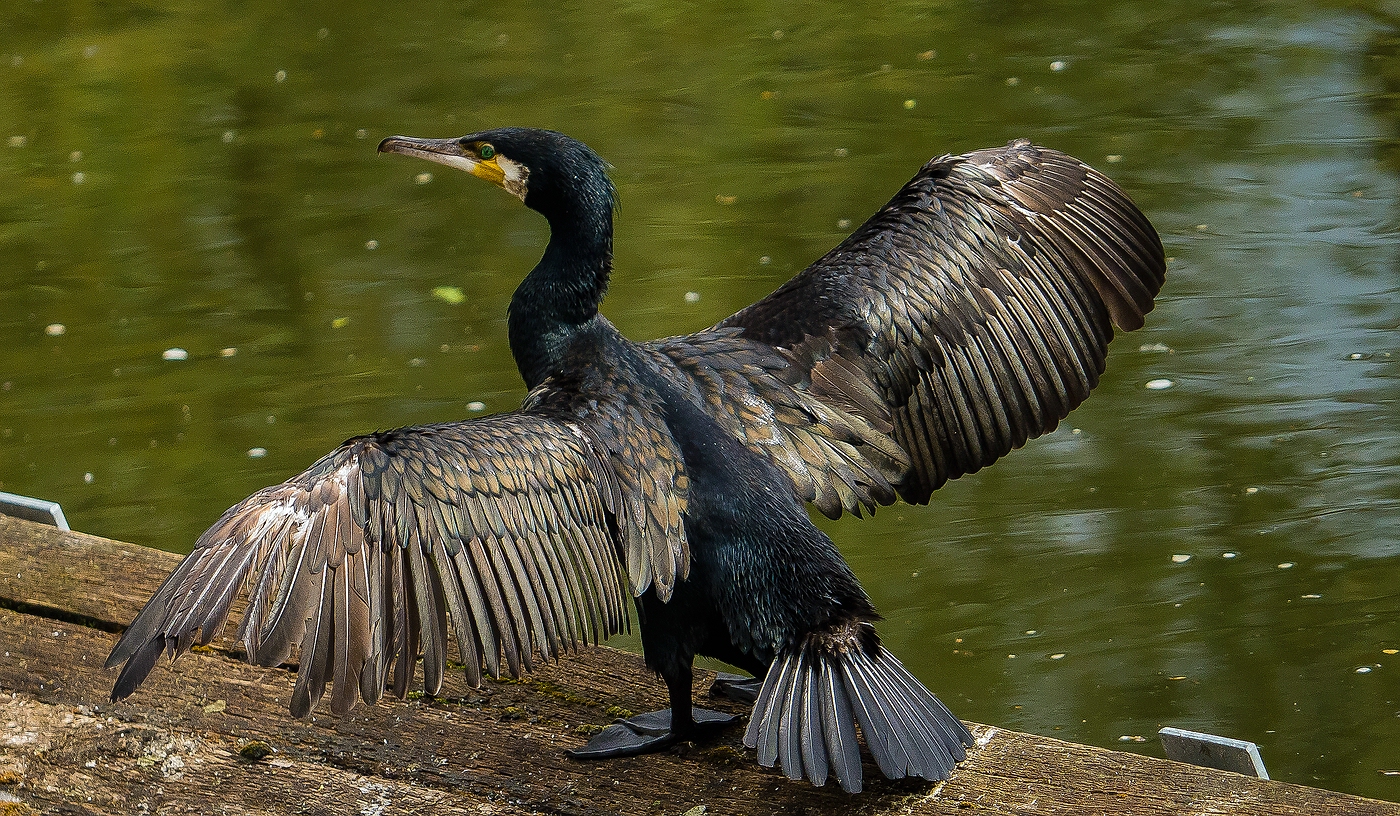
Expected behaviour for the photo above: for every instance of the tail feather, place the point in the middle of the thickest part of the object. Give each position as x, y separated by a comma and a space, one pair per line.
838, 730
881, 737
790, 726
813, 744
764, 735
818, 690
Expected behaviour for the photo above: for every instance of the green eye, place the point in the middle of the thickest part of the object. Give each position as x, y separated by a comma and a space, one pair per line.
486, 151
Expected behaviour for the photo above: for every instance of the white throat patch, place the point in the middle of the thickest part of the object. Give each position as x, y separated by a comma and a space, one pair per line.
516, 176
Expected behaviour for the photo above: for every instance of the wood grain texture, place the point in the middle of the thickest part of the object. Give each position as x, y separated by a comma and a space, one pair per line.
174, 746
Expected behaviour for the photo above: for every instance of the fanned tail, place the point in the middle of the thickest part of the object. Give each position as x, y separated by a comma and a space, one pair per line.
817, 691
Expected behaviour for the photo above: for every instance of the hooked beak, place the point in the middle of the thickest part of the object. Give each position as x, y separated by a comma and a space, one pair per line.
450, 152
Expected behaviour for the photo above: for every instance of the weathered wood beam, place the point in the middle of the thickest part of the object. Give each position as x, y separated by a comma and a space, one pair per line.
178, 745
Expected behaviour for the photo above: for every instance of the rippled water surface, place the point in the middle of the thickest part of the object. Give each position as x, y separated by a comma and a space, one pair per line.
1221, 554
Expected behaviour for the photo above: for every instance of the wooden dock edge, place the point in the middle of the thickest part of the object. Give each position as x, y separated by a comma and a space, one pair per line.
210, 734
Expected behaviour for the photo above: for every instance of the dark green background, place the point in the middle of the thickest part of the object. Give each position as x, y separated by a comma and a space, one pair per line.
220, 207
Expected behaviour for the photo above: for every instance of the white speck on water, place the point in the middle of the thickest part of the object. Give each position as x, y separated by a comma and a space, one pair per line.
844, 223
1250, 491
1113, 158
228, 352
1363, 669
1058, 65
476, 405
417, 362
692, 297
1012, 82
87, 478
1229, 555
75, 156
1180, 558
55, 329
1158, 385
423, 178
1032, 631
174, 354
1057, 656
1132, 738
229, 136
1312, 596
257, 453
17, 141
281, 76
1076, 431
371, 244
79, 177
361, 133
89, 52
1011, 657
910, 104
765, 260
1286, 565
1154, 348
322, 33
271, 419
840, 152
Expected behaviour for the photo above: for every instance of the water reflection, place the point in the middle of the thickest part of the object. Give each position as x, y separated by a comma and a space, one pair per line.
229, 198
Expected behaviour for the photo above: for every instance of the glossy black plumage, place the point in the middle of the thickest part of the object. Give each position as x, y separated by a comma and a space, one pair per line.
968, 315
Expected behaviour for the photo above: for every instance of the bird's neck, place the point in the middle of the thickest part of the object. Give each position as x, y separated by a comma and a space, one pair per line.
561, 294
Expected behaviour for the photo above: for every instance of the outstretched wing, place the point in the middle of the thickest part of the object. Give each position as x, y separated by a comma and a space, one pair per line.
969, 314
500, 525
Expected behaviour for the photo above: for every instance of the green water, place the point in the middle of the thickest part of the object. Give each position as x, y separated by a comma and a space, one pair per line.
203, 177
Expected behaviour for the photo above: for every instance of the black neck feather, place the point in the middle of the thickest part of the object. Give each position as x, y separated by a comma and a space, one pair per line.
562, 293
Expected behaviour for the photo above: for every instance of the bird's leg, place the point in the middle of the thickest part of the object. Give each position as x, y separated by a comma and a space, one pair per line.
656, 730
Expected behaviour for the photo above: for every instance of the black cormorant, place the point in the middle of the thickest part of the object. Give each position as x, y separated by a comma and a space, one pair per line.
969, 314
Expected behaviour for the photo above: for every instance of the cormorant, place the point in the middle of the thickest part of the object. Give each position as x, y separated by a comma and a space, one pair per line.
969, 314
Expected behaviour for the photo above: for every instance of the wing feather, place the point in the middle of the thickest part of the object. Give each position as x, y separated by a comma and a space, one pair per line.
492, 535
971, 313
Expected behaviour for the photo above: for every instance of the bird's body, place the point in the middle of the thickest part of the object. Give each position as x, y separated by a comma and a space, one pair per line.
969, 314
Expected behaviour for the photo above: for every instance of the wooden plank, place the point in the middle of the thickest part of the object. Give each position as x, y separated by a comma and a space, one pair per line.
174, 746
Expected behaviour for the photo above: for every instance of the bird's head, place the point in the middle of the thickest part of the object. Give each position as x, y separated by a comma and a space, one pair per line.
550, 172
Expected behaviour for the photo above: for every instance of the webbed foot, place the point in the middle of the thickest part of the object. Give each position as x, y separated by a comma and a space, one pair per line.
650, 732
736, 687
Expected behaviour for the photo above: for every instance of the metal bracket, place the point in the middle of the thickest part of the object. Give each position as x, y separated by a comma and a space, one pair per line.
1210, 751
44, 512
